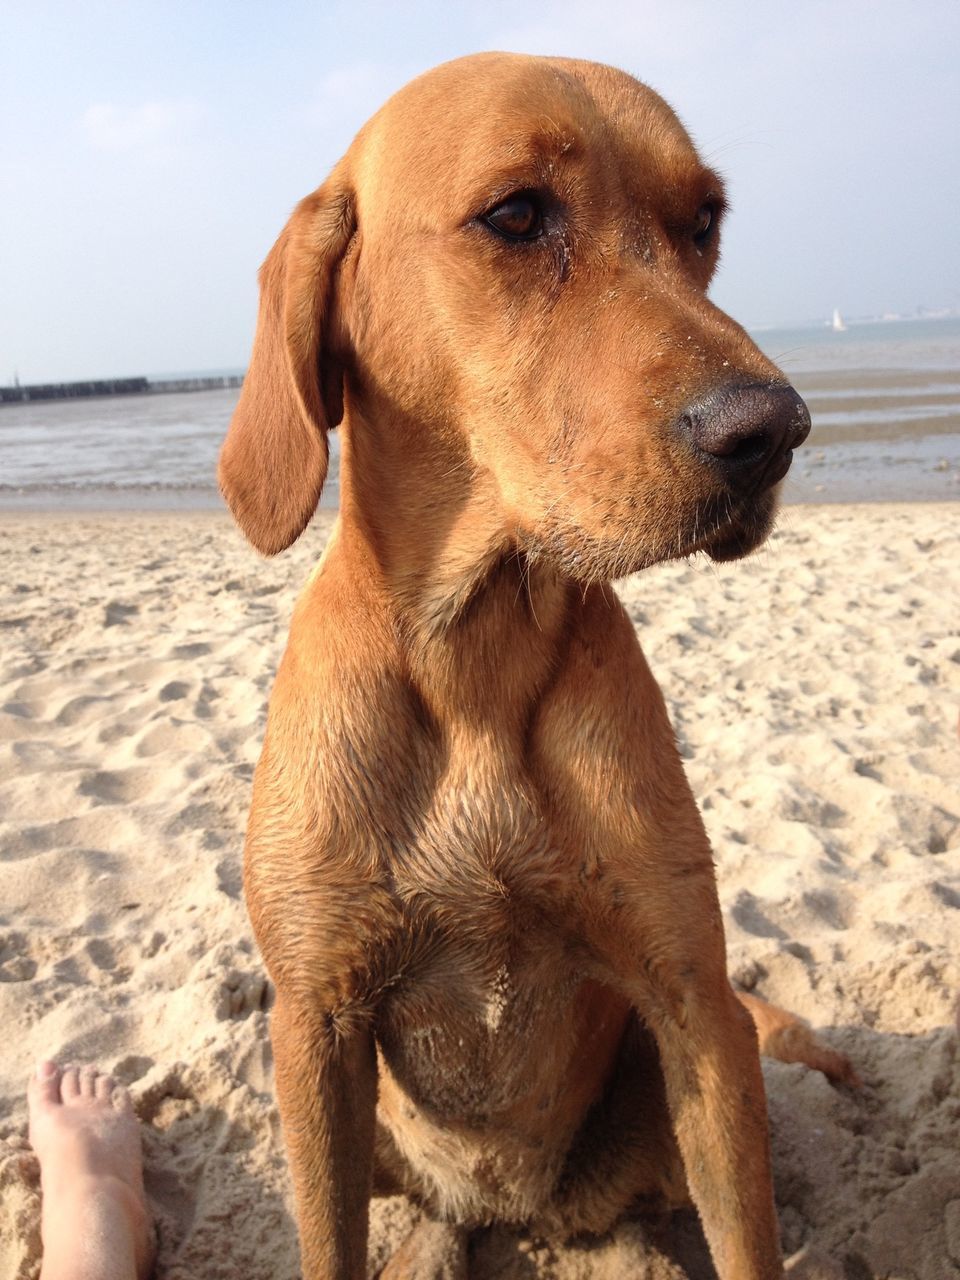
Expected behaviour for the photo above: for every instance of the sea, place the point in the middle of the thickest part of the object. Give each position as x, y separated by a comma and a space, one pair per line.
884, 399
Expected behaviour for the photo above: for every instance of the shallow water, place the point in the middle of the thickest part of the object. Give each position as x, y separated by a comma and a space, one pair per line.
885, 401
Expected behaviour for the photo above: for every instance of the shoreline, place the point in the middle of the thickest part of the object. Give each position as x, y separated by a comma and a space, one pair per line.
848, 472
217, 512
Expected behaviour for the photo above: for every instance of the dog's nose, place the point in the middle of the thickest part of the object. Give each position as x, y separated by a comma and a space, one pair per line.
747, 432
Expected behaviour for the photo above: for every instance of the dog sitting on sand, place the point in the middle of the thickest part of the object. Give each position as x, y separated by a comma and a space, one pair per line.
474, 866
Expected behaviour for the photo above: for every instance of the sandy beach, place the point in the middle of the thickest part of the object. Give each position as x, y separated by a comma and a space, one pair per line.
815, 691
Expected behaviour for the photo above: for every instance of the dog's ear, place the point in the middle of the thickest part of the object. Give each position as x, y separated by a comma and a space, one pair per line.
274, 459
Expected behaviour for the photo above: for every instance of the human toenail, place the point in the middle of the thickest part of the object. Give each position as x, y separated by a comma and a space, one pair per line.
46, 1069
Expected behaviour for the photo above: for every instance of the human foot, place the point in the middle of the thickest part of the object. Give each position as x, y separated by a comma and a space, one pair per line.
94, 1221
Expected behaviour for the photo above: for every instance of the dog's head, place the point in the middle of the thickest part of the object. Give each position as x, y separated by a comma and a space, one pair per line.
514, 256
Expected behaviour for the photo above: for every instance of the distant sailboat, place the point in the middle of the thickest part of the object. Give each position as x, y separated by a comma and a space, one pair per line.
836, 324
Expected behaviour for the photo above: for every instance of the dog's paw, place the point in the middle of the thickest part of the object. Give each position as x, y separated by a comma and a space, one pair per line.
432, 1251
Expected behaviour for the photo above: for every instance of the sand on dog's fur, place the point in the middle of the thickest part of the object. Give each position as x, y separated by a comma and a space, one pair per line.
815, 691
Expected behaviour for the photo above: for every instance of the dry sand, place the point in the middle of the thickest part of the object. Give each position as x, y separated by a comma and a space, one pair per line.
815, 691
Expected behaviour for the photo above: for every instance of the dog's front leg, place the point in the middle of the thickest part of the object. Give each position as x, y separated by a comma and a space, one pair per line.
649, 912
669, 953
326, 1079
711, 1066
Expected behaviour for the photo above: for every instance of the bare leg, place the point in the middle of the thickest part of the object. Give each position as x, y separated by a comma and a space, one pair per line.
94, 1221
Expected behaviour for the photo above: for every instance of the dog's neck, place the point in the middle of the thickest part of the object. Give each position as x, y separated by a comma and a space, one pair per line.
481, 628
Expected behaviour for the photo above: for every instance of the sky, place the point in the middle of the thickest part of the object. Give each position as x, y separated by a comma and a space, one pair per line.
150, 152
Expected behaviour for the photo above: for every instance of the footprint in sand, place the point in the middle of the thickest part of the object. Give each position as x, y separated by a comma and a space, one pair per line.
174, 691
807, 807
172, 735
229, 877
16, 962
116, 613
747, 913
944, 831
241, 994
195, 650
165, 1098
102, 953
36, 753
119, 787
868, 767
23, 709
203, 708
27, 842
823, 906
153, 944
82, 710
14, 622
946, 894
131, 1068
200, 815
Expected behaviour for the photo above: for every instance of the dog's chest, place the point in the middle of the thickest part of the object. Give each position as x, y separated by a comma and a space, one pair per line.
492, 1049
460, 1029
485, 1006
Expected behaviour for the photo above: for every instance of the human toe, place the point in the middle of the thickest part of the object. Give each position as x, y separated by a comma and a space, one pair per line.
89, 1073
44, 1087
70, 1083
104, 1087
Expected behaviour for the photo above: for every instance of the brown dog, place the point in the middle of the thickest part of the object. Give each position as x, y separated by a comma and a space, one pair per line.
474, 866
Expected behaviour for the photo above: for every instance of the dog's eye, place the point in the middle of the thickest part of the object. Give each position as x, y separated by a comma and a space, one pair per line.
706, 216
519, 218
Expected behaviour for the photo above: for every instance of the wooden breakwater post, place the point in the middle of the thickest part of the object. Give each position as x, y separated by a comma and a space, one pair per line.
18, 394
